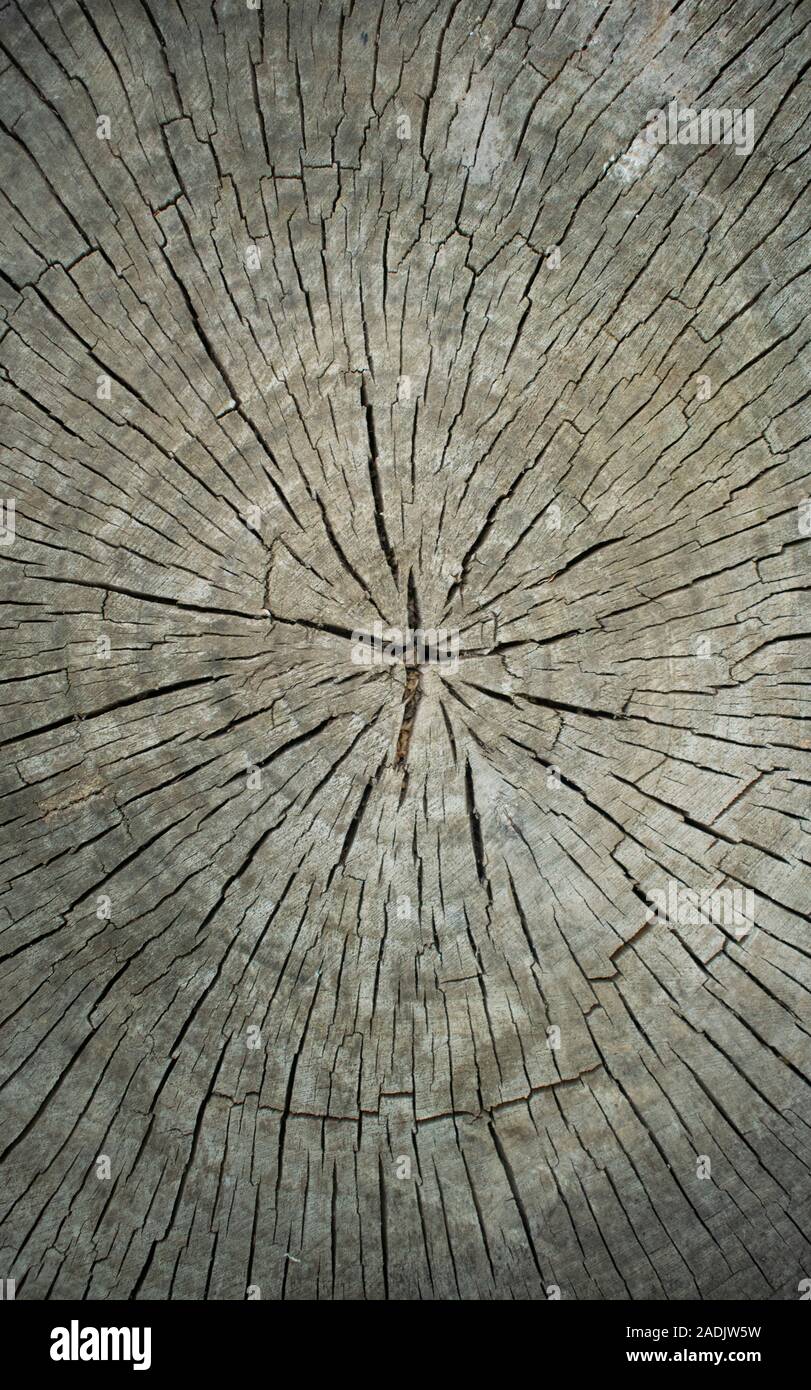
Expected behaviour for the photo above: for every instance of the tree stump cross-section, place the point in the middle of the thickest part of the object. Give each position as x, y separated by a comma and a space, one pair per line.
405, 643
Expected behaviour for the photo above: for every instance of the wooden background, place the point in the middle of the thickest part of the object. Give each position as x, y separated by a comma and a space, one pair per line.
325, 314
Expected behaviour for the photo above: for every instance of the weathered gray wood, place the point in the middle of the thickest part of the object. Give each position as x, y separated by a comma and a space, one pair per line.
293, 352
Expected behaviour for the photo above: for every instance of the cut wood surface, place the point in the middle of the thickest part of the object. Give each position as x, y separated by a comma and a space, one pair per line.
476, 972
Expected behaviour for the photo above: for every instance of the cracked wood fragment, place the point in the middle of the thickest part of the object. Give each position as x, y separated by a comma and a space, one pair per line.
479, 970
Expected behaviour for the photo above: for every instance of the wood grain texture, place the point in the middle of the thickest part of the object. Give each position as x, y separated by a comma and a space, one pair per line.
332, 981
